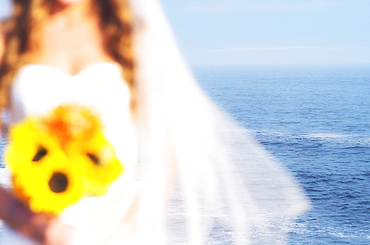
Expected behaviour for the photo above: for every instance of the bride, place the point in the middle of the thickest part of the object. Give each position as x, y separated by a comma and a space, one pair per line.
193, 176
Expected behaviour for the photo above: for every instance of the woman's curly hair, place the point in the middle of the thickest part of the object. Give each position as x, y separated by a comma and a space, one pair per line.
21, 32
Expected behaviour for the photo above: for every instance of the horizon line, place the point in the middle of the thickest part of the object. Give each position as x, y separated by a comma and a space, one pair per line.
280, 48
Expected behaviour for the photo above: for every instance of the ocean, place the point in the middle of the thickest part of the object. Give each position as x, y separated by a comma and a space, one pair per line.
316, 121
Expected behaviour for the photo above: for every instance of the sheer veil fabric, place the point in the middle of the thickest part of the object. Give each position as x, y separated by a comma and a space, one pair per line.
227, 186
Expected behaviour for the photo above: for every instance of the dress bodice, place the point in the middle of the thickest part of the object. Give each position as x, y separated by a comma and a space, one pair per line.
37, 89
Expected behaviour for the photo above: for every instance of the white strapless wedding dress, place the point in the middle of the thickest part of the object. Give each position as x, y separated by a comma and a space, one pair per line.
37, 89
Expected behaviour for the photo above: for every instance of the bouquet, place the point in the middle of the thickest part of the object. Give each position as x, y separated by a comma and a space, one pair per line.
57, 159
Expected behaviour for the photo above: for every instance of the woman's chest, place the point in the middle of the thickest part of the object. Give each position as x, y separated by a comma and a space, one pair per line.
71, 49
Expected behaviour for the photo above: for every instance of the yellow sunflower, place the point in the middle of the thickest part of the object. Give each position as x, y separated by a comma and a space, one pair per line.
97, 163
57, 159
41, 174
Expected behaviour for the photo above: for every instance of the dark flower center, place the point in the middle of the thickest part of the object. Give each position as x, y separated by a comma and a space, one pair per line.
41, 152
58, 183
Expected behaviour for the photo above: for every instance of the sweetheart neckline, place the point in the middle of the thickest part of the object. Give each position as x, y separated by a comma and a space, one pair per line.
27, 66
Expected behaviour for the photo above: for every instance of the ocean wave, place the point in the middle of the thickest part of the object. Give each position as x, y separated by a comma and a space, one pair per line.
313, 136
329, 136
327, 233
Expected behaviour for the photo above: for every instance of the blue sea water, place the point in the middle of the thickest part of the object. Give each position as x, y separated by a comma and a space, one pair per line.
316, 121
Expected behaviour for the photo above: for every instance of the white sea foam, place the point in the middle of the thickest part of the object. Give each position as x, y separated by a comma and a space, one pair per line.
4, 177
328, 136
316, 136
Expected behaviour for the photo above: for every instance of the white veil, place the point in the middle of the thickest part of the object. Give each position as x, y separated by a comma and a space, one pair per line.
220, 182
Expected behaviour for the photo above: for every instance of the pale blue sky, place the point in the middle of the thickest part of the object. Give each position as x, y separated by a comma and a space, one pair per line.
238, 32
244, 32
4, 8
